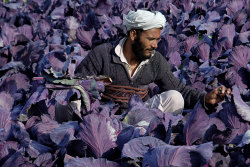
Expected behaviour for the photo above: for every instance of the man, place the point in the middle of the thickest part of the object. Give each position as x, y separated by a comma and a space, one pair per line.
132, 64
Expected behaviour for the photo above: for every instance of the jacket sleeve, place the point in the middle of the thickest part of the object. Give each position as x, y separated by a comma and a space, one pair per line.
167, 81
90, 65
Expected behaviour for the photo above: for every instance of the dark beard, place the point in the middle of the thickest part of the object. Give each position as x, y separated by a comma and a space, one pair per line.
138, 50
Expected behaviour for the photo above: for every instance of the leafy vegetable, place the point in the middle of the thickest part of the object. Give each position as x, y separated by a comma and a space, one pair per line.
168, 155
137, 147
98, 133
43, 42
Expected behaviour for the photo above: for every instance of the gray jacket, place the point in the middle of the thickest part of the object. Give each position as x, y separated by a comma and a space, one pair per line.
102, 60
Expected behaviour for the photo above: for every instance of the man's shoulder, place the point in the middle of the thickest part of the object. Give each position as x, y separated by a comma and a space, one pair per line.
158, 56
103, 47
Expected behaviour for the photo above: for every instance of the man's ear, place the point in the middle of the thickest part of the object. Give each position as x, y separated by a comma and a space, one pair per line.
132, 34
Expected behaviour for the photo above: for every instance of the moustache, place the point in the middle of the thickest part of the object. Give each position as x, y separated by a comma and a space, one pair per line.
149, 49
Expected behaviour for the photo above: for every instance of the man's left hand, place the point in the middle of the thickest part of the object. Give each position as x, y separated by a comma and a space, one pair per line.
217, 95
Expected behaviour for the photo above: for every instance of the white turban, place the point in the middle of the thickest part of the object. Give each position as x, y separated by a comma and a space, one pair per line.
142, 19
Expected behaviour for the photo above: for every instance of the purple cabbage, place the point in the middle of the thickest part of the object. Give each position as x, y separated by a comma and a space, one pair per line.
42, 43
98, 133
198, 123
78, 162
168, 155
136, 148
241, 107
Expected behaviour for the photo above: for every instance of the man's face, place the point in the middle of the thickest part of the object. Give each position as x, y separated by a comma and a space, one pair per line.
146, 43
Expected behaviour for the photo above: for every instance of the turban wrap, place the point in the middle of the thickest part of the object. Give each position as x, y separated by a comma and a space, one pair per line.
142, 19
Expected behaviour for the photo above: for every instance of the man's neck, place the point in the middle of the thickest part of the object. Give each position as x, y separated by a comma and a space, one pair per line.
129, 54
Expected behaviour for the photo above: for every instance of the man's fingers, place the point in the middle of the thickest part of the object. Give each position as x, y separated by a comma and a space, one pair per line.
229, 92
222, 90
217, 95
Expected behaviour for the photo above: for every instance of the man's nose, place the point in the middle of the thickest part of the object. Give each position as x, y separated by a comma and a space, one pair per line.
154, 44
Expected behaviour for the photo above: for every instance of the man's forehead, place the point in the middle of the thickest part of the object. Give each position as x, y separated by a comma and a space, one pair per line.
152, 32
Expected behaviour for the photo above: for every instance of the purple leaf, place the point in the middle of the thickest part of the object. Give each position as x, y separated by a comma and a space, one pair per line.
190, 42
32, 122
35, 51
92, 20
138, 114
125, 6
237, 77
169, 155
242, 108
243, 37
5, 121
55, 62
204, 51
39, 95
63, 96
246, 27
212, 16
8, 34
245, 139
157, 129
240, 18
6, 101
137, 147
210, 72
35, 149
3, 12
64, 133
197, 124
127, 134
187, 5
104, 33
85, 37
41, 131
43, 28
227, 32
161, 127
44, 160
3, 58
210, 27
220, 137
103, 7
72, 23
79, 162
26, 30
232, 119
169, 121
15, 82
193, 66
7, 148
240, 56
218, 158
16, 159
172, 44
234, 6
19, 133
98, 133
175, 58
58, 12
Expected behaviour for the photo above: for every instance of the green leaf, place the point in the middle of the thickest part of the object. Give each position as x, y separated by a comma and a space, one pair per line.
60, 81
85, 96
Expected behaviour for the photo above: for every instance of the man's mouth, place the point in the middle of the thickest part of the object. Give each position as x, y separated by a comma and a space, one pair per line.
150, 50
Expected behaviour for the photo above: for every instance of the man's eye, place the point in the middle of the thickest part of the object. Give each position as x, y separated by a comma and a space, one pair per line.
153, 39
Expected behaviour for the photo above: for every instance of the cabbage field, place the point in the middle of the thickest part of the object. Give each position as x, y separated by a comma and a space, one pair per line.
43, 41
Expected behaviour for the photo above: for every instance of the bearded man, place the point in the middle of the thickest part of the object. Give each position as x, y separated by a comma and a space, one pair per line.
133, 63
